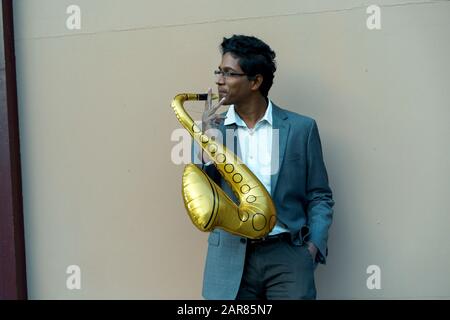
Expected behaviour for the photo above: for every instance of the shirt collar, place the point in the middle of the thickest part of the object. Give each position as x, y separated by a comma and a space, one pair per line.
234, 118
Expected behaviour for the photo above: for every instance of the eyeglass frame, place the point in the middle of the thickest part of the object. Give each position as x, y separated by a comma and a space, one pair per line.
228, 74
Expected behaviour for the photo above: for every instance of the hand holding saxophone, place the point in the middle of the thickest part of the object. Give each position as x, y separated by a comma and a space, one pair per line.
209, 117
210, 120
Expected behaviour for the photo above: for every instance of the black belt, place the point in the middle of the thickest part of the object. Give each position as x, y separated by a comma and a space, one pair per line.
285, 236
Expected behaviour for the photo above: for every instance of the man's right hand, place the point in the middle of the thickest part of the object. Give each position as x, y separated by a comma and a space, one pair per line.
210, 120
209, 117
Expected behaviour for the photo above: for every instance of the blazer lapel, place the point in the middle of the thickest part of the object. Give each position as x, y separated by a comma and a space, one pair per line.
279, 141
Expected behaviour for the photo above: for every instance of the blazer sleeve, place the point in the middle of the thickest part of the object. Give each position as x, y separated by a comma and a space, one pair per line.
319, 196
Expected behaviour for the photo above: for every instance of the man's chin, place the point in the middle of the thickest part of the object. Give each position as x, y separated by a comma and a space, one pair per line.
225, 102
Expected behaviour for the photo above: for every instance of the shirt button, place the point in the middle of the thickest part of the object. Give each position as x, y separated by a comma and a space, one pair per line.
243, 240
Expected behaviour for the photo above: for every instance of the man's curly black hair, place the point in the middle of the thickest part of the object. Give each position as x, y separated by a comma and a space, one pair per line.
255, 57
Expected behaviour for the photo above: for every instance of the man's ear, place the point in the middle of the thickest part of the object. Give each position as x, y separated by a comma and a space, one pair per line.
256, 82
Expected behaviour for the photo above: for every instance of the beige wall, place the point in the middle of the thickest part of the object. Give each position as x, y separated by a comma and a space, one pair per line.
100, 190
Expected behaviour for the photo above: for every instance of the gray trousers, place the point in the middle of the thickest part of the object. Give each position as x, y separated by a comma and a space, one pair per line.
277, 269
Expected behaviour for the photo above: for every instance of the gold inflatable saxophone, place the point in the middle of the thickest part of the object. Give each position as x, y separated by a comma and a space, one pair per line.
207, 204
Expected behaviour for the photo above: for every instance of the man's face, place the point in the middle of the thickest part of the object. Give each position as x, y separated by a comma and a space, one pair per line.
235, 89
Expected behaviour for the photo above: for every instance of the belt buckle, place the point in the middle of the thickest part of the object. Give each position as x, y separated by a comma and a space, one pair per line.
256, 241
265, 239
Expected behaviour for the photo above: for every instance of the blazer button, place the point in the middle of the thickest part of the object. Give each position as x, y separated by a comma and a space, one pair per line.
243, 240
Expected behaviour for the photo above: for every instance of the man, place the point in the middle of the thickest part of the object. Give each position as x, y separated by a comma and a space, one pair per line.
281, 265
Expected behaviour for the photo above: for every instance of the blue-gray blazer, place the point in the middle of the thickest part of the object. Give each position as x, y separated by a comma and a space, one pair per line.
299, 189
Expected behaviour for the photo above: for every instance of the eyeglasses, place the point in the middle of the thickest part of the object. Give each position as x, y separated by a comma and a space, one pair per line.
227, 74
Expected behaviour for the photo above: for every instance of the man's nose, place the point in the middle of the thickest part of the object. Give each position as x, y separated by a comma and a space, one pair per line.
220, 81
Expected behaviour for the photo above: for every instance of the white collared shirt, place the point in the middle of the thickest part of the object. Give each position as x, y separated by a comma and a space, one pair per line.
256, 147
255, 144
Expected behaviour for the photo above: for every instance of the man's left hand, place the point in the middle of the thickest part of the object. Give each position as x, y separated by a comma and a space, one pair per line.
312, 250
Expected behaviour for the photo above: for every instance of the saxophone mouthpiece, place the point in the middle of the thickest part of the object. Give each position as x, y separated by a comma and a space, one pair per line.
204, 96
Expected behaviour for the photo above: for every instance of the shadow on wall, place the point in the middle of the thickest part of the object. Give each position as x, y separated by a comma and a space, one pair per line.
311, 95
